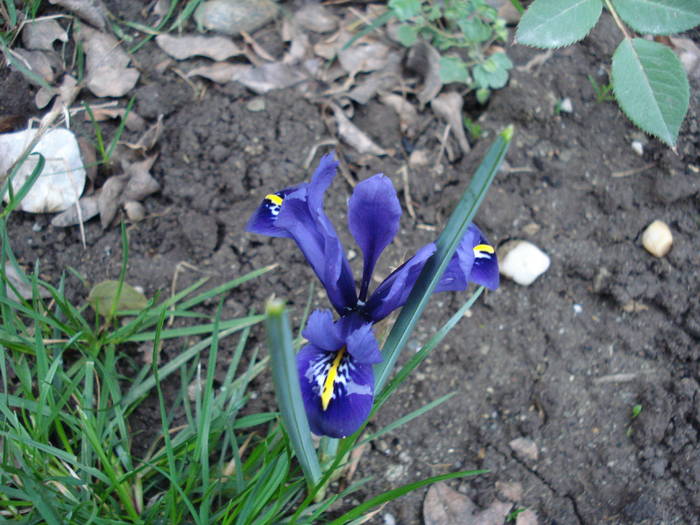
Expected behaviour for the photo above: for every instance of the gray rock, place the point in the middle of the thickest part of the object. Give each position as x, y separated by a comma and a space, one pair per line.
230, 17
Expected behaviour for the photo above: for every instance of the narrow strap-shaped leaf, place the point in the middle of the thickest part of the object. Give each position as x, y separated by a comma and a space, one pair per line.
285, 378
659, 17
557, 23
651, 87
445, 247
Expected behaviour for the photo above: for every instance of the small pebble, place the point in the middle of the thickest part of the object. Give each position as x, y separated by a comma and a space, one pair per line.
657, 238
389, 519
638, 147
565, 106
256, 104
522, 261
36, 227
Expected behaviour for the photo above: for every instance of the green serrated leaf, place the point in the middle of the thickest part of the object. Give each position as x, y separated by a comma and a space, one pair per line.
103, 297
453, 69
659, 17
557, 23
651, 87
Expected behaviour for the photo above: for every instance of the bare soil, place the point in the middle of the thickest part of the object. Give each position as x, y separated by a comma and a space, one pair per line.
561, 363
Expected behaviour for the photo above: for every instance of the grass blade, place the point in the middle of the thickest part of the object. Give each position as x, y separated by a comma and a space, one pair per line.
284, 375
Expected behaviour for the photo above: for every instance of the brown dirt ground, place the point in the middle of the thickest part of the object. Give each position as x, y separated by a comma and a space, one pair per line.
561, 362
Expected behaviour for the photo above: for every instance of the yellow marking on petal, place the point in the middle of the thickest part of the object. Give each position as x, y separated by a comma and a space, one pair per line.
327, 391
484, 248
275, 199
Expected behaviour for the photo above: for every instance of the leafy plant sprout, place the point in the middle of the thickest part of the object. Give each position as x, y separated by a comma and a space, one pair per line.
647, 78
471, 25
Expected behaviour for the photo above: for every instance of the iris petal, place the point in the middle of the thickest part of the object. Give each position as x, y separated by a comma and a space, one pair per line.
363, 346
394, 290
302, 216
264, 219
322, 332
373, 217
353, 392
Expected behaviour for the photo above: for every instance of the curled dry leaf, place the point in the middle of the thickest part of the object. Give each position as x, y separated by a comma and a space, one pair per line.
221, 72
93, 12
425, 60
408, 114
141, 183
89, 208
445, 506
108, 74
42, 33
108, 198
316, 18
364, 57
275, 75
449, 107
42, 63
354, 136
63, 178
134, 121
20, 283
186, 46
369, 85
150, 137
89, 155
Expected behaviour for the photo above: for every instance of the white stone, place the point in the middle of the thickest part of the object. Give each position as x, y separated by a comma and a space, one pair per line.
657, 238
522, 261
63, 178
638, 147
565, 106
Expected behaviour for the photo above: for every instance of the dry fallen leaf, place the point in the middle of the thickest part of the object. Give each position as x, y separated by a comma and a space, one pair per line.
93, 12
275, 75
41, 33
221, 72
150, 137
445, 506
425, 60
449, 107
135, 211
181, 47
134, 121
140, 183
22, 286
42, 63
316, 18
108, 198
353, 135
89, 208
364, 57
107, 64
408, 115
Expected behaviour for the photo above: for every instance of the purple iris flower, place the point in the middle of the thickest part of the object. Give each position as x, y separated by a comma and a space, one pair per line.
335, 367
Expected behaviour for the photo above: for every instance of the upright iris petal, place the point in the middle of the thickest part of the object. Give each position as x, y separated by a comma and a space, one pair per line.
373, 217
